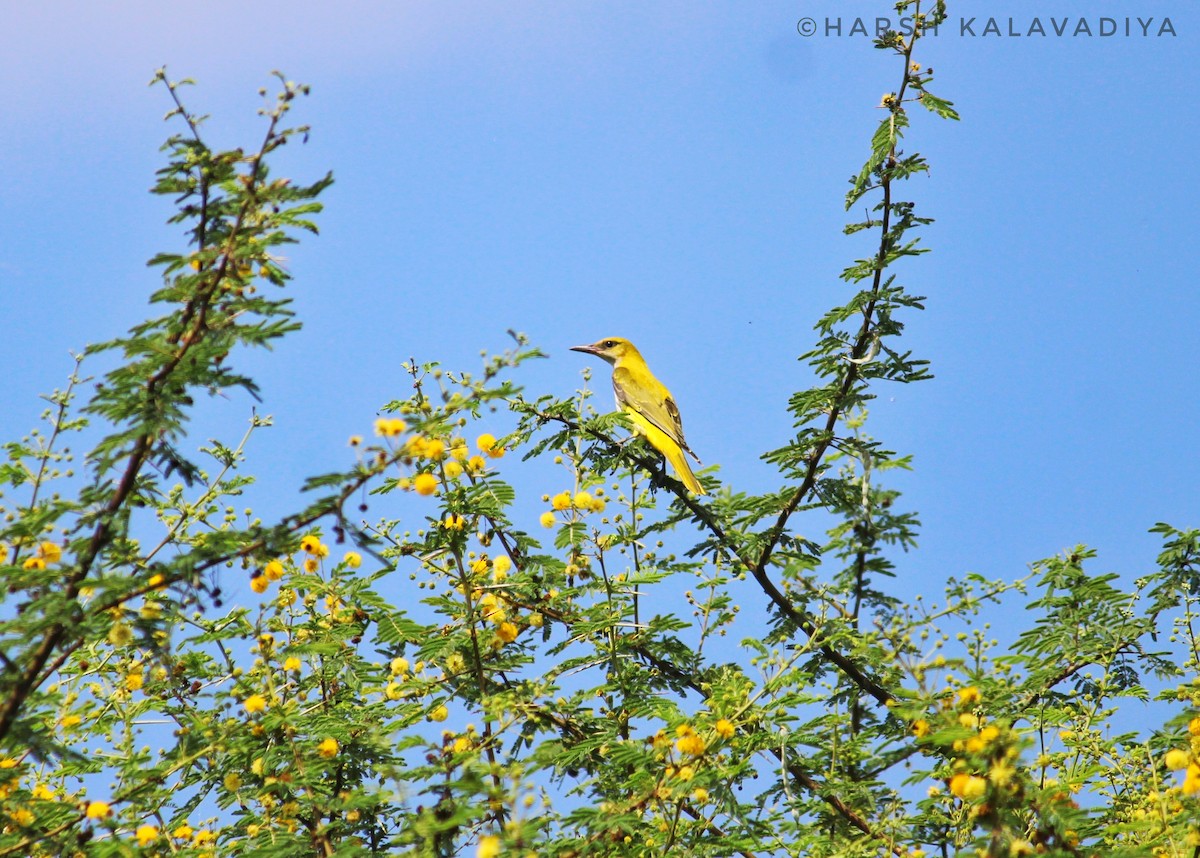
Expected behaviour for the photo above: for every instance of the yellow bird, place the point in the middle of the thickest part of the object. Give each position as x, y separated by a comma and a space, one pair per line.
648, 403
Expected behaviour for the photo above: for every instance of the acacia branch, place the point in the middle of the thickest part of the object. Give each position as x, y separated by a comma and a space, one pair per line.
194, 322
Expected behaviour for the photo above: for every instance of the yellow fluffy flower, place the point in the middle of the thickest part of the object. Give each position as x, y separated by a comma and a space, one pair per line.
415, 447
255, 703
507, 632
968, 787
492, 608
259, 583
1191, 782
51, 552
969, 696
439, 713
97, 809
547, 518
273, 570
724, 728
34, 564
310, 544
389, 427
120, 634
328, 748
489, 846
425, 484
561, 501
1001, 774
352, 559
146, 834
1177, 760
691, 744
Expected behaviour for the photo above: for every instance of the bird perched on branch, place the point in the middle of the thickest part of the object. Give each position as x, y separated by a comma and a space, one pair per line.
648, 403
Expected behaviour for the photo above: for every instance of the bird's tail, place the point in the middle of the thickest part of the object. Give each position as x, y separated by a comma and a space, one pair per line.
680, 463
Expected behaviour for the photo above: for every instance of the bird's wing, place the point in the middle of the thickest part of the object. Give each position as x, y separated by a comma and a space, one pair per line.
654, 403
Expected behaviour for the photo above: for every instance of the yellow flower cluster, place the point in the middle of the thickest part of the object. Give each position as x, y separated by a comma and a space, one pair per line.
968, 787
97, 810
488, 445
312, 546
489, 846
969, 696
425, 484
419, 447
492, 608
452, 456
48, 553
583, 502
389, 427
689, 742
1187, 760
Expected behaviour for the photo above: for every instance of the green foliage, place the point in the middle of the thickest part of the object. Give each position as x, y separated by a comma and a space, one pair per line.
591, 673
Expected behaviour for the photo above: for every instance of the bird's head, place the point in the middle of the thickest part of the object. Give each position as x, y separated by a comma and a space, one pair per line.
611, 349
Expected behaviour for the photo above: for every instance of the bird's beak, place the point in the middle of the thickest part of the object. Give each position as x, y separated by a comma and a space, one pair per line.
587, 350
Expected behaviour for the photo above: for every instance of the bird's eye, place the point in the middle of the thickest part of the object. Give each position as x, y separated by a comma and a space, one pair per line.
608, 344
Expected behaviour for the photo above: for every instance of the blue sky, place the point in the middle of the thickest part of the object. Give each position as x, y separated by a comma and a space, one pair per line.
673, 173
